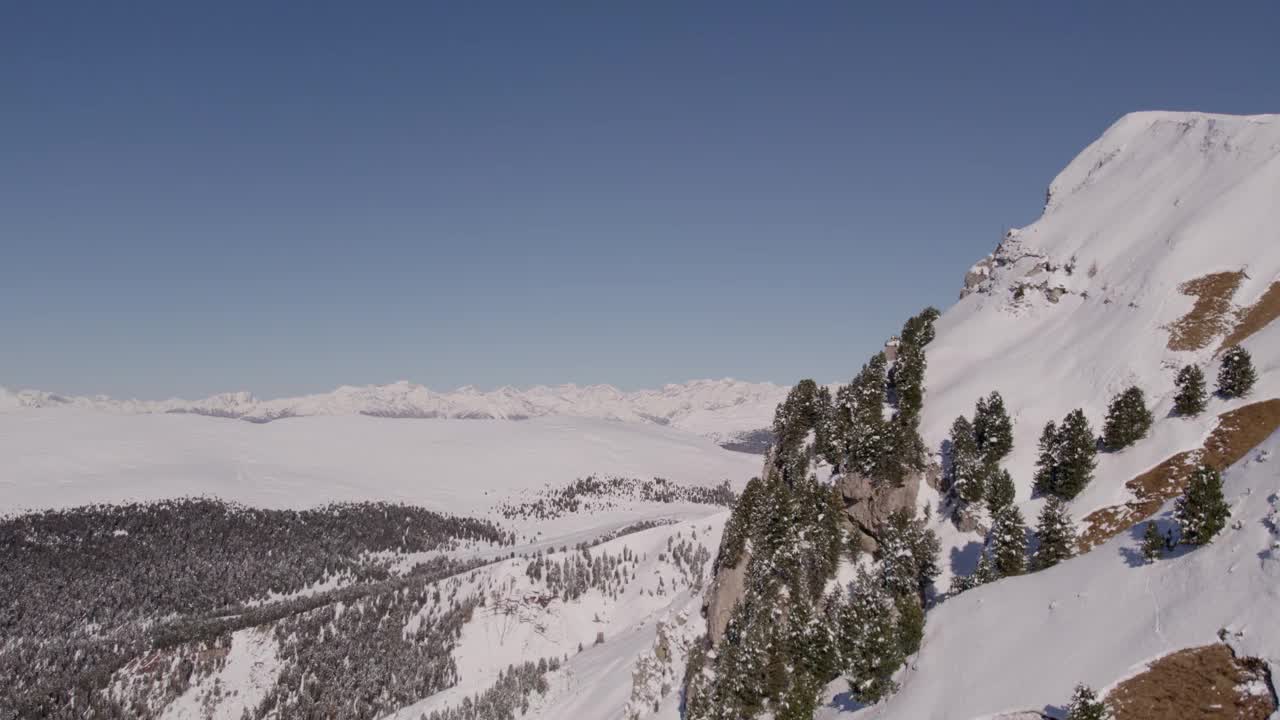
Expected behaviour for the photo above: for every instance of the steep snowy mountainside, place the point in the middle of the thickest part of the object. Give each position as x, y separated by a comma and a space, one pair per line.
720, 409
1077, 306
1156, 243
1021, 643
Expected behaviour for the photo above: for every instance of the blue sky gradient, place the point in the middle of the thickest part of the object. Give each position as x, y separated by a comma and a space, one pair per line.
283, 198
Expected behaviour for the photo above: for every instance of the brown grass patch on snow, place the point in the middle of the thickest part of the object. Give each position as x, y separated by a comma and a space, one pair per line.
1208, 317
1251, 319
1237, 432
1205, 682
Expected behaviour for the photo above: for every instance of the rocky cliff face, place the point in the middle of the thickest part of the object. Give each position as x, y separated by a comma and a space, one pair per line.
1024, 272
727, 588
868, 505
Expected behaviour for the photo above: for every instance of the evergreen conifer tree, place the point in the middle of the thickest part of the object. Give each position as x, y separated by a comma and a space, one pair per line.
908, 555
1202, 511
830, 538
1236, 376
808, 660
840, 427
1085, 705
907, 380
866, 435
910, 624
918, 330
1077, 455
1152, 542
1008, 542
737, 528
1045, 480
966, 467
1057, 535
824, 430
992, 428
868, 639
1000, 490
1128, 419
805, 410
1190, 399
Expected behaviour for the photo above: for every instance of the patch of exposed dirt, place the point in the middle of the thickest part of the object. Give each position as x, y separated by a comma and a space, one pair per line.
1250, 320
1209, 317
1204, 682
1237, 432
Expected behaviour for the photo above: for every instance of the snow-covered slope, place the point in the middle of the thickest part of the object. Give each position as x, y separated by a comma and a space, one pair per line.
1077, 306
1158, 200
1022, 643
1066, 313
719, 409
73, 457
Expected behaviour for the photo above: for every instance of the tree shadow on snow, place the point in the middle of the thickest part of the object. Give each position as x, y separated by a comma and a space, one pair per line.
965, 559
1168, 528
845, 702
1054, 711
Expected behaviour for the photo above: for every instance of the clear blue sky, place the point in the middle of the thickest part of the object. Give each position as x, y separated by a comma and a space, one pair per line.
284, 197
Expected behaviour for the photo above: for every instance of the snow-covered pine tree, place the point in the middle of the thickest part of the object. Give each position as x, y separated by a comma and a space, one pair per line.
840, 427
992, 428
1077, 450
806, 409
1152, 542
1056, 533
808, 660
1085, 705
1128, 419
829, 533
1236, 376
908, 453
908, 555
1007, 542
907, 379
1000, 490
738, 528
918, 330
868, 639
1202, 510
824, 431
910, 624
866, 434
1045, 479
966, 477
1190, 399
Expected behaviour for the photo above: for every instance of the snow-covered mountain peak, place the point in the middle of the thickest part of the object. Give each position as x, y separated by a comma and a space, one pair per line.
1083, 301
1158, 199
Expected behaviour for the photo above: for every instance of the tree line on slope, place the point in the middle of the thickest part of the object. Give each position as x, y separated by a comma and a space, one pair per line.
1064, 467
787, 638
791, 634
594, 493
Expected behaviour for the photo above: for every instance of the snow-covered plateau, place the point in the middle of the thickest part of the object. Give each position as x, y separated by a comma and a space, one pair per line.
720, 409
586, 533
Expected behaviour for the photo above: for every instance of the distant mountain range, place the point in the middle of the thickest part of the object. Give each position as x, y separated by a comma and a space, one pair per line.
720, 409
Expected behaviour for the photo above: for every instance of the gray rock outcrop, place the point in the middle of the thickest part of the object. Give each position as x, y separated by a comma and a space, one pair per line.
727, 588
869, 504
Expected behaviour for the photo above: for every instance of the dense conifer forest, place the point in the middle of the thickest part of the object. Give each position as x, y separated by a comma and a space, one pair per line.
86, 591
